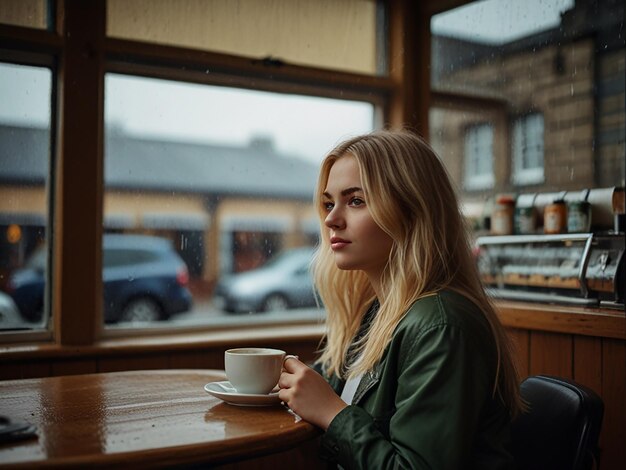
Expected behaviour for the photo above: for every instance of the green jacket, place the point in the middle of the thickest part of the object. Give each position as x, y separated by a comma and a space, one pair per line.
428, 403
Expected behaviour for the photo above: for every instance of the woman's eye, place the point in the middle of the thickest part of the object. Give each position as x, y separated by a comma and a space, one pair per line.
328, 206
356, 201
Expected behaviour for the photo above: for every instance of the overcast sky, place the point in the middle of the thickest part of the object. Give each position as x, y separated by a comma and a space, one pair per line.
301, 126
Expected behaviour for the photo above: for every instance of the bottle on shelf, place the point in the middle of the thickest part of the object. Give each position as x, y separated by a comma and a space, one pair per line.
502, 215
555, 217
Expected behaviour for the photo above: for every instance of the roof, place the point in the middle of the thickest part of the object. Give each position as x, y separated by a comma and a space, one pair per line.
154, 164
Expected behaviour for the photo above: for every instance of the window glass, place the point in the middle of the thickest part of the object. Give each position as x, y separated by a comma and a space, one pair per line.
479, 156
29, 13
343, 35
551, 76
218, 183
24, 168
528, 149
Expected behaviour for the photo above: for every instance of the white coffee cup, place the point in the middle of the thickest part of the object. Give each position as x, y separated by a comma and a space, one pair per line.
253, 370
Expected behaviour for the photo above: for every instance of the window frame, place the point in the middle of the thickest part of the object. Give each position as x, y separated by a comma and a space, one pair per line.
81, 53
37, 48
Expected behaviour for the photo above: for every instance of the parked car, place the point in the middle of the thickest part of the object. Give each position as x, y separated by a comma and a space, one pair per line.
282, 283
144, 279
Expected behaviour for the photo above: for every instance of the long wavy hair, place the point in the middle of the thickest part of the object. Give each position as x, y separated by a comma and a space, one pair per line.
410, 196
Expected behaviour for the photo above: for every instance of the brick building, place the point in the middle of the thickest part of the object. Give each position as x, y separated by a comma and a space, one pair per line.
550, 109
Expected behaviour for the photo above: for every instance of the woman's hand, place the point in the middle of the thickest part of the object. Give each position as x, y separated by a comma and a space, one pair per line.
308, 394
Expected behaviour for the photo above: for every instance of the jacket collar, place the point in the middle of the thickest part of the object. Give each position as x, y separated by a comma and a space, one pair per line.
369, 379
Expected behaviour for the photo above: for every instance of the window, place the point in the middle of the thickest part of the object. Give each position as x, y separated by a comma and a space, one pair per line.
564, 58
207, 145
479, 157
528, 149
24, 176
226, 176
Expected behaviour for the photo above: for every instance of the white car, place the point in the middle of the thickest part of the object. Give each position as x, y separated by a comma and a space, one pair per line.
282, 283
10, 318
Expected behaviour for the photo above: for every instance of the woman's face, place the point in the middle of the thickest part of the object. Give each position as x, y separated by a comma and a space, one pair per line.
356, 240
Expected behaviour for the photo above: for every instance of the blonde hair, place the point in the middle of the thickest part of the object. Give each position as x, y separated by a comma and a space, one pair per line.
411, 198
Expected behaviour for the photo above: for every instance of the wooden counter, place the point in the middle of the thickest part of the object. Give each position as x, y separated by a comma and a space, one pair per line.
587, 321
140, 419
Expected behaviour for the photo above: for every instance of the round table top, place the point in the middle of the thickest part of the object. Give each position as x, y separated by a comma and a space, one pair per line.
147, 418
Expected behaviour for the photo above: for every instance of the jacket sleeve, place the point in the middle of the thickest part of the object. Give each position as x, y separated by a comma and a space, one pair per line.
442, 383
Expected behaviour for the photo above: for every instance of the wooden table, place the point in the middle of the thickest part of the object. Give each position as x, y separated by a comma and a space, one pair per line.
137, 419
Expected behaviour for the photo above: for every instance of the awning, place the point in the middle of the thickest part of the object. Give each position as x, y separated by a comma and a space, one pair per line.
175, 221
256, 223
119, 221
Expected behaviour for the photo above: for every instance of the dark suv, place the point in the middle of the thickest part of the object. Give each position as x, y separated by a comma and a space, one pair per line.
144, 279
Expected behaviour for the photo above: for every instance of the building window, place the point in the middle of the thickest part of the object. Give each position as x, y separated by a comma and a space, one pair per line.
479, 157
527, 150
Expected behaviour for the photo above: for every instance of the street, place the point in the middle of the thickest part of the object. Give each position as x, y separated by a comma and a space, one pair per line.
204, 313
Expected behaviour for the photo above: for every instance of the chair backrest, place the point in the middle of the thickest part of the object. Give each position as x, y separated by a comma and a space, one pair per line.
561, 427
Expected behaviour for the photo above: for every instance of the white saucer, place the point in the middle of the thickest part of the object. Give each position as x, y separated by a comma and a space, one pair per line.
226, 392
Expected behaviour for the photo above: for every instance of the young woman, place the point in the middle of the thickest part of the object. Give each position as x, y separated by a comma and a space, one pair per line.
416, 371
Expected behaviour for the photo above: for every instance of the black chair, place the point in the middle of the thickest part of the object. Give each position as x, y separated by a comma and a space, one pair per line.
560, 429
